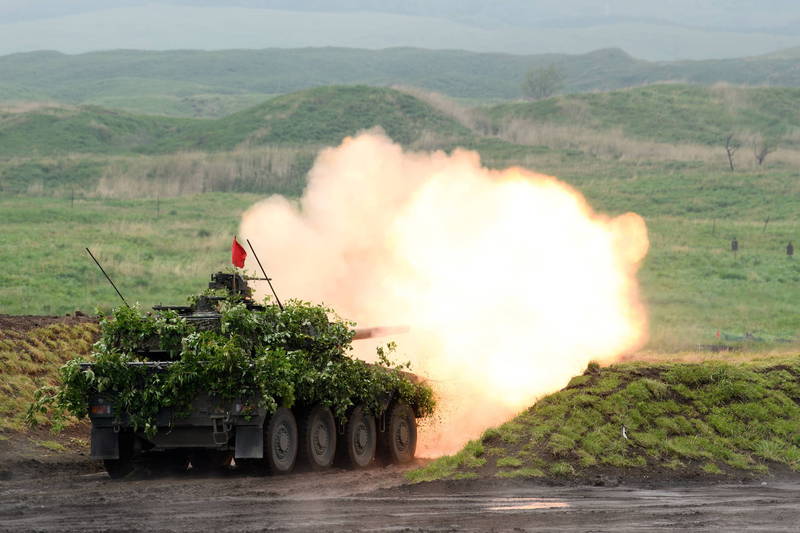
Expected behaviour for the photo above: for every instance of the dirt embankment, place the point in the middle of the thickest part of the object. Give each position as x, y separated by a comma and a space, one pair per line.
24, 323
32, 349
645, 422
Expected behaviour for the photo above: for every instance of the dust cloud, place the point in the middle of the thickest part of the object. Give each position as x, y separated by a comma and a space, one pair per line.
509, 282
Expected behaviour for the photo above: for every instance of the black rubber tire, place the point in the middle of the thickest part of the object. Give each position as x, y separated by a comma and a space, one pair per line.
318, 438
398, 443
357, 448
281, 442
119, 468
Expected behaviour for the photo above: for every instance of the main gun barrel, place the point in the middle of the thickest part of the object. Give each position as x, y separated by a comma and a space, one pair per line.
380, 331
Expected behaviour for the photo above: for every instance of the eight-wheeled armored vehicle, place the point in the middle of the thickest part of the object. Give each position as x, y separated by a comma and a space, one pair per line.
213, 431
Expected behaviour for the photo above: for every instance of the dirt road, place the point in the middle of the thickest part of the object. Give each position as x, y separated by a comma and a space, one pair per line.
377, 500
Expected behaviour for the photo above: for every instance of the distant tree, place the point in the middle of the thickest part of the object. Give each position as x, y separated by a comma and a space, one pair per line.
543, 82
731, 145
762, 148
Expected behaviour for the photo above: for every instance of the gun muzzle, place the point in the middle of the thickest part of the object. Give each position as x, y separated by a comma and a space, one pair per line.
369, 333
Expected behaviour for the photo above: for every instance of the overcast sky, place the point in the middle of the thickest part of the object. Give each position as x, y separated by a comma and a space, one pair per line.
741, 14
669, 29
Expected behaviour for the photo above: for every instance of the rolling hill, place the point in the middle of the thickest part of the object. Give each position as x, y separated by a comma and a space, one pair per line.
316, 117
664, 113
213, 84
671, 113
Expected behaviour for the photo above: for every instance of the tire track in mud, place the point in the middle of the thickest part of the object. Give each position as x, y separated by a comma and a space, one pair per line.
379, 500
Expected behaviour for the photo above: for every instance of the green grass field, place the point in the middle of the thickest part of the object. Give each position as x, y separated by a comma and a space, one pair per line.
673, 173
693, 285
155, 253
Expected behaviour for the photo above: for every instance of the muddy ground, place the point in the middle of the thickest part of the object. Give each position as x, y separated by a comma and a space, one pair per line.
62, 490
69, 493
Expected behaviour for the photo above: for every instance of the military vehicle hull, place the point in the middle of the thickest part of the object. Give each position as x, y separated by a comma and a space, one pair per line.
212, 432
208, 432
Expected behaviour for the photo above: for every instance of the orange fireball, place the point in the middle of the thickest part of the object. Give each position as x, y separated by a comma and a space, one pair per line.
509, 281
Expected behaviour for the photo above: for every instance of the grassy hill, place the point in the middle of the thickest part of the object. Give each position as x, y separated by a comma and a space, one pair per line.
266, 148
320, 116
62, 130
31, 352
671, 113
325, 115
666, 113
213, 84
786, 53
645, 421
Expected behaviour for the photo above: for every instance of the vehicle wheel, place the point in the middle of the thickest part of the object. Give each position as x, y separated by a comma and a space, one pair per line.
119, 468
399, 441
280, 442
357, 448
209, 460
318, 438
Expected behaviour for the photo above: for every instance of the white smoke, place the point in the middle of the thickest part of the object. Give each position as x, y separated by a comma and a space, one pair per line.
509, 282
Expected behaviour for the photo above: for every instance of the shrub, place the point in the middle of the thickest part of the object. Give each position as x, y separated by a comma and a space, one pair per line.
267, 356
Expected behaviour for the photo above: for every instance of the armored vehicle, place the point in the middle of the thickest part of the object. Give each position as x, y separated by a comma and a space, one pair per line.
208, 431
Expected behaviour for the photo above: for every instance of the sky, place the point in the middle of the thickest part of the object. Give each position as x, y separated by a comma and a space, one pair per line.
666, 30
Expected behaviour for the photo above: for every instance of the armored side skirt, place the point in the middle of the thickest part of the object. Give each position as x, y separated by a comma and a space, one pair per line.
209, 425
105, 443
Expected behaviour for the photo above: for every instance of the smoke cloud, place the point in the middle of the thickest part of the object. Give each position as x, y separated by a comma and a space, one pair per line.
508, 280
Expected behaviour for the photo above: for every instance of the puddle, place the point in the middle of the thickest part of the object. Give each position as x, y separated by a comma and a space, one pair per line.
525, 504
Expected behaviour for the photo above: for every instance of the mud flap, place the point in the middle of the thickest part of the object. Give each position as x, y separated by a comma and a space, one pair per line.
249, 442
105, 443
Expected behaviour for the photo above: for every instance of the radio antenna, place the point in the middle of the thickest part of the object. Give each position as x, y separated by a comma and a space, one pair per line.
106, 275
269, 280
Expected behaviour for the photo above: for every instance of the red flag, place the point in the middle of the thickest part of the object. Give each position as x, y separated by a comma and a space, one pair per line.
237, 254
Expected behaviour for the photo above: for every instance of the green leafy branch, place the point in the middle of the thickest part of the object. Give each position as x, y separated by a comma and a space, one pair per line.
268, 357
